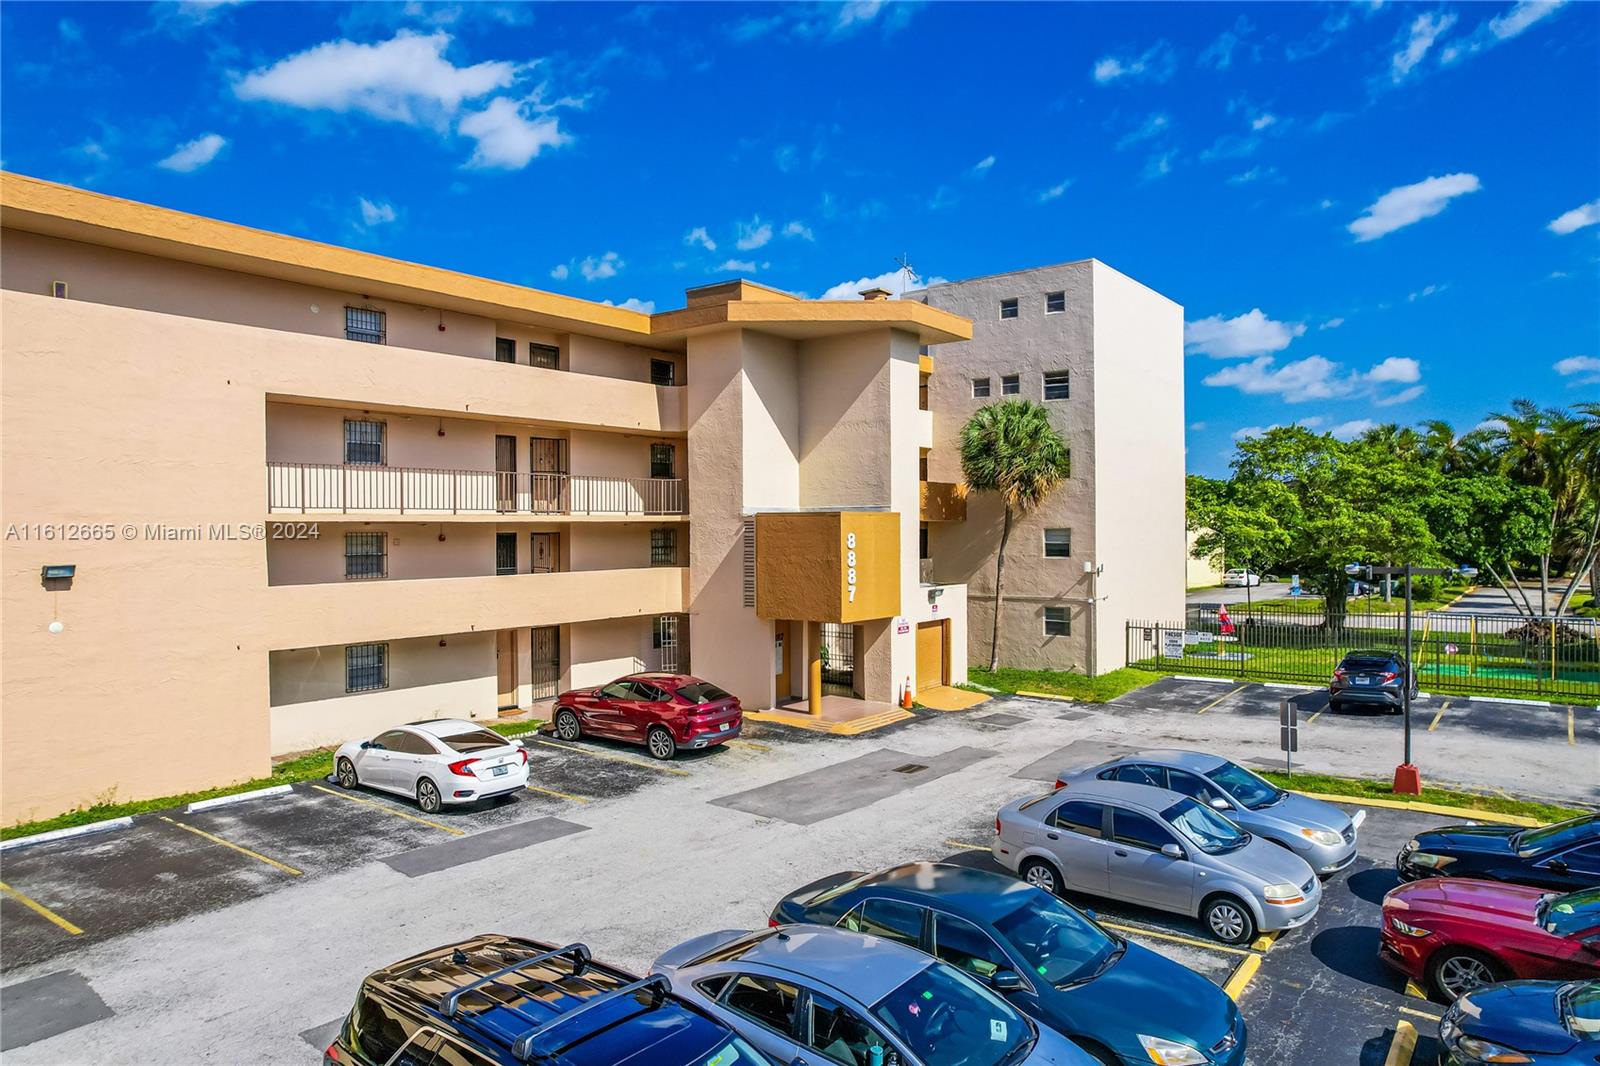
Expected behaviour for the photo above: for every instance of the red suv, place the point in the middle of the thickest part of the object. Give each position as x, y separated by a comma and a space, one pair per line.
664, 712
1457, 933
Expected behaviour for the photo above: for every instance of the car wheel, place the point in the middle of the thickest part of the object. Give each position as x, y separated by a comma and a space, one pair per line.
346, 772
1454, 972
659, 744
1041, 874
1336, 706
428, 797
567, 727
1229, 920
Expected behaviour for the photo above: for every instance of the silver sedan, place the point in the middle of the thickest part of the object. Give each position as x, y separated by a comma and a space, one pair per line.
1158, 849
1320, 833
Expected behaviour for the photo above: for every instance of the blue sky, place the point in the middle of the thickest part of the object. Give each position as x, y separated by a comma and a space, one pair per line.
1369, 212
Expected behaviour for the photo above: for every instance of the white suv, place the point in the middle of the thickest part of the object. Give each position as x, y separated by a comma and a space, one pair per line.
445, 761
1240, 578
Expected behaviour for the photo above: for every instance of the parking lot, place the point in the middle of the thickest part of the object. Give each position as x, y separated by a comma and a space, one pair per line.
267, 913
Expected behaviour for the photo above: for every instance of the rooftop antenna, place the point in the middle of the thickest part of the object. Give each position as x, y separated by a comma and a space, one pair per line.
909, 276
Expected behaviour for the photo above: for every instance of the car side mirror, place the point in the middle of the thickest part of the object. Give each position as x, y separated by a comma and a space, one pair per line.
598, 694
365, 744
1557, 865
1172, 851
1220, 804
1007, 981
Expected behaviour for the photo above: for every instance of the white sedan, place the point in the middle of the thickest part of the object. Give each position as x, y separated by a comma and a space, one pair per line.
1240, 578
445, 761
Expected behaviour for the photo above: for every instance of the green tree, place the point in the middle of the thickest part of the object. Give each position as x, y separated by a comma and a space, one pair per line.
1237, 520
1490, 521
1011, 449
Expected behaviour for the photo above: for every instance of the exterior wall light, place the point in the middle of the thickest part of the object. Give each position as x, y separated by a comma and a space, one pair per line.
56, 627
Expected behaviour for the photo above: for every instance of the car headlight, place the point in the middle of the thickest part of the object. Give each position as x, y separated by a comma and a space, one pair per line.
1409, 930
1484, 1051
1429, 860
1283, 894
1326, 837
1170, 1052
1411, 845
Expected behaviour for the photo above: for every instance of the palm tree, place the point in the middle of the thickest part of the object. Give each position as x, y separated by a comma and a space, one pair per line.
1010, 448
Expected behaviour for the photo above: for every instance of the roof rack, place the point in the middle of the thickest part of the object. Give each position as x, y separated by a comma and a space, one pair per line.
452, 1000
658, 985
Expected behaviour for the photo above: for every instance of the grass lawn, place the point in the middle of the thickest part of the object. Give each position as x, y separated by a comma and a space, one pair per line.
1356, 605
1583, 604
312, 766
1372, 788
1058, 683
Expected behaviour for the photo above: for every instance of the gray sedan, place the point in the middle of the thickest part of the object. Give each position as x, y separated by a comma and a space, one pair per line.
1159, 849
1318, 832
812, 995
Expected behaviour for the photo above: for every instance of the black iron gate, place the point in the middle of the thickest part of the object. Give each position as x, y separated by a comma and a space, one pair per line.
838, 654
546, 665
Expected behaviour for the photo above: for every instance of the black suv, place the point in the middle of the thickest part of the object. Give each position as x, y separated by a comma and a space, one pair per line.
502, 1001
1372, 677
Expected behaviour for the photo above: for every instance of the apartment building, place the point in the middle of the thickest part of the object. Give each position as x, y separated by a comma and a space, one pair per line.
263, 495
1104, 355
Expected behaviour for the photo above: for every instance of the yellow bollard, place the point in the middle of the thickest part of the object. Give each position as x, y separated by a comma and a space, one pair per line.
814, 689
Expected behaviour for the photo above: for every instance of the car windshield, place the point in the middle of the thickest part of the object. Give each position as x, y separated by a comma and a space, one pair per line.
732, 1052
1580, 1009
1205, 828
1531, 842
1252, 791
476, 740
947, 1020
702, 692
1571, 913
1059, 944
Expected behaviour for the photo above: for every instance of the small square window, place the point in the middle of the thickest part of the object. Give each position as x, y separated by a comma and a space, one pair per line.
545, 355
1057, 623
363, 324
980, 388
1058, 543
366, 667
661, 460
363, 443
1055, 303
505, 350
663, 372
663, 547
1008, 308
1056, 385
366, 555
1010, 385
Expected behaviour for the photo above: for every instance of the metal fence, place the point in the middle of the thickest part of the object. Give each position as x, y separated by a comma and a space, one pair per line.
324, 488
1506, 655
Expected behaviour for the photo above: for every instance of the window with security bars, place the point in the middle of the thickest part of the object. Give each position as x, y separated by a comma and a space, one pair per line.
505, 350
363, 442
1055, 303
545, 355
364, 324
1057, 543
366, 555
1056, 385
505, 554
663, 372
366, 667
663, 547
1057, 623
661, 460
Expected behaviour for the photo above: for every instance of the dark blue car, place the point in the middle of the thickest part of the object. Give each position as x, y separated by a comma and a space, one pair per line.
1048, 958
1564, 856
1540, 1023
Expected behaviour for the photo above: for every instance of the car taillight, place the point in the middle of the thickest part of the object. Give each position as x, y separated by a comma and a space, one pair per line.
1060, 783
997, 827
460, 769
333, 1053
524, 753
1390, 676
1339, 674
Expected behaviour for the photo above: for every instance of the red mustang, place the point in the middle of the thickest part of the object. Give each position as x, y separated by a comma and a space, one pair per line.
664, 712
1457, 933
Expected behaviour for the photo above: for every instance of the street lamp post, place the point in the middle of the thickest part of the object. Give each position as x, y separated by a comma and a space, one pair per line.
1407, 780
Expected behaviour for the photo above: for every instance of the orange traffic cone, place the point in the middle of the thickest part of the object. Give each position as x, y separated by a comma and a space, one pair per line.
905, 694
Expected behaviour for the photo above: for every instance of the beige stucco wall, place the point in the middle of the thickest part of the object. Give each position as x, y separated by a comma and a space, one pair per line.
1200, 572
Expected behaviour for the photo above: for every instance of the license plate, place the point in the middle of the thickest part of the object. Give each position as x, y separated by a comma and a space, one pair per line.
501, 771
1363, 680
723, 728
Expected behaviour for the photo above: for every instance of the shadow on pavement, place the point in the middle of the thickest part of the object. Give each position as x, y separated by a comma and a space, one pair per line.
1371, 885
1352, 950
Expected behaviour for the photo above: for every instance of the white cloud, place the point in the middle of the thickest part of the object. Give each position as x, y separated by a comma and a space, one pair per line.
1254, 174
1263, 120
1352, 429
508, 136
1219, 54
1405, 204
753, 234
1319, 378
799, 229
1154, 125
1250, 431
1159, 165
824, 21
1520, 17
1583, 215
1197, 426
194, 154
786, 157
895, 281
1054, 192
738, 266
700, 236
560, 271
647, 307
594, 268
1332, 323
981, 167
1396, 369
375, 214
1424, 292
1403, 396
1251, 333
1582, 369
1424, 30
1156, 64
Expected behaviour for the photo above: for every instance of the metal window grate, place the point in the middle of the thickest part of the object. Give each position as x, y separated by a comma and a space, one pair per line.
505, 553
1057, 622
663, 547
661, 460
1056, 385
366, 667
363, 324
663, 372
545, 355
837, 650
505, 350
366, 555
748, 535
1055, 303
546, 662
1058, 543
363, 442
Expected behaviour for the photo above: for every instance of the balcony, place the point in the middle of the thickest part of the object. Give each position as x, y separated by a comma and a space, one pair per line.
332, 488
943, 501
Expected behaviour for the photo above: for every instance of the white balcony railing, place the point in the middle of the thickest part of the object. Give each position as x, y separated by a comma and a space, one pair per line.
332, 488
